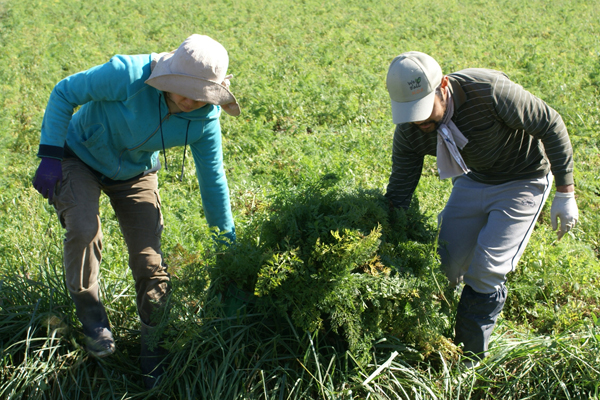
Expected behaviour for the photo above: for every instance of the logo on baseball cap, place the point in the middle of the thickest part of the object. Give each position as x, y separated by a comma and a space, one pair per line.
411, 82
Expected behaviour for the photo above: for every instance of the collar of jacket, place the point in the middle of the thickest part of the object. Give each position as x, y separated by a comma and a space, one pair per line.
458, 94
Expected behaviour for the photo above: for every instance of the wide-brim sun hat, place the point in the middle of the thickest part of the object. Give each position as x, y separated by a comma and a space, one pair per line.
197, 69
411, 82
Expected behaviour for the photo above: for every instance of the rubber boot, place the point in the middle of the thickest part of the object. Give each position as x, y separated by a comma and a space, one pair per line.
96, 328
476, 317
152, 355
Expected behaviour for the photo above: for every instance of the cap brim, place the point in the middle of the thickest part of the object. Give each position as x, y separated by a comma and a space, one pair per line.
418, 110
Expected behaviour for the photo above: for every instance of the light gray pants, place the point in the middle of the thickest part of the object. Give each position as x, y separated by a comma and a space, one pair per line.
483, 232
484, 229
137, 206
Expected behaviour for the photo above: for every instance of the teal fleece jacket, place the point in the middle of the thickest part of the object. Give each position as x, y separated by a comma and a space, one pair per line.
117, 130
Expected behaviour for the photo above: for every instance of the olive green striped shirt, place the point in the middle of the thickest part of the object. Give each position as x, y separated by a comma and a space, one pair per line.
512, 135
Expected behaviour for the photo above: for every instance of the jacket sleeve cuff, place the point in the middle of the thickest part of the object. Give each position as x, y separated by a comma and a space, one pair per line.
404, 204
227, 238
562, 180
48, 151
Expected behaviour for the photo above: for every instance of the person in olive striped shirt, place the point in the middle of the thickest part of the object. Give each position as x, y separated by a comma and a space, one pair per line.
502, 147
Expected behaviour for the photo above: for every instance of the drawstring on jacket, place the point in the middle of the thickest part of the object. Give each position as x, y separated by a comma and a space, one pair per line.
162, 138
187, 129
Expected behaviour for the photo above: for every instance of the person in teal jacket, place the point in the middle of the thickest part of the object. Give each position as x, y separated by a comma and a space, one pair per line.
132, 107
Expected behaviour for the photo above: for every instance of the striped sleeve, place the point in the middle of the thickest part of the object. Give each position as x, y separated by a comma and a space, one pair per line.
407, 164
521, 110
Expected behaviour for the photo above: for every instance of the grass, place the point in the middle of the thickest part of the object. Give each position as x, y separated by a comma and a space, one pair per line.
310, 77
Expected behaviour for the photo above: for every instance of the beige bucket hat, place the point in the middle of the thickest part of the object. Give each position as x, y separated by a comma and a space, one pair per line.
196, 70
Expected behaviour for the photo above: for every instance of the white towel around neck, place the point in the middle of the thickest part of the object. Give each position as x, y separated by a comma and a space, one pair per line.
449, 161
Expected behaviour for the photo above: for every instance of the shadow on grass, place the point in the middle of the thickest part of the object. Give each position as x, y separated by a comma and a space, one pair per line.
327, 280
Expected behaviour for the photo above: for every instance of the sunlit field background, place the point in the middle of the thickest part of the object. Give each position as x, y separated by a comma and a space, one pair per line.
327, 293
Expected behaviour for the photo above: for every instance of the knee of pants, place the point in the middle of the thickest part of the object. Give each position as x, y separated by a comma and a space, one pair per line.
147, 265
84, 230
455, 259
455, 277
151, 297
82, 256
485, 280
454, 271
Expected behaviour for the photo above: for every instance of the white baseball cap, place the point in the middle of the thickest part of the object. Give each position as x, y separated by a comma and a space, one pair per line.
411, 82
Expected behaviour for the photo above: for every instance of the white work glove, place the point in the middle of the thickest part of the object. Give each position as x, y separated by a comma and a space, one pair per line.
564, 207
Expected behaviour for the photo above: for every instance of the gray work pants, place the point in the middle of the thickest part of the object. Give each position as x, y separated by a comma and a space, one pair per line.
483, 232
136, 203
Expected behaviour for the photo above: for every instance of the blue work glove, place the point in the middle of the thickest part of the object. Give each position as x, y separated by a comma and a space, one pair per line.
564, 207
48, 177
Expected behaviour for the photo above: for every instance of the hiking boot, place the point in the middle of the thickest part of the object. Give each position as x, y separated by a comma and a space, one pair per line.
99, 342
96, 328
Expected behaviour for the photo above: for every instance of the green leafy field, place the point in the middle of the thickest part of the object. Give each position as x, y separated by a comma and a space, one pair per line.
340, 297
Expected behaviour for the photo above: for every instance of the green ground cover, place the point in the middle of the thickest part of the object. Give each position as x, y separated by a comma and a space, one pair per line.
360, 312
